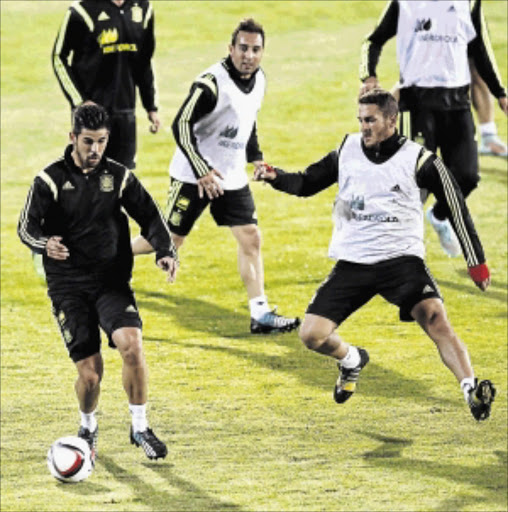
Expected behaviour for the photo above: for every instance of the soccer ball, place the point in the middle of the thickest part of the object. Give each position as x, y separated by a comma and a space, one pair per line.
70, 459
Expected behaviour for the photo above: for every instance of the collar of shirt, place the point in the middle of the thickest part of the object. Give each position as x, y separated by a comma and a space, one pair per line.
385, 150
245, 85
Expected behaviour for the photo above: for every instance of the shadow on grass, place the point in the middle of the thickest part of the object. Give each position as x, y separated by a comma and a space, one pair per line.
178, 495
195, 314
489, 480
497, 174
376, 381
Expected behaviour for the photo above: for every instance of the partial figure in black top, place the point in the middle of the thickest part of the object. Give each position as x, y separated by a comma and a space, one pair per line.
378, 240
103, 53
434, 41
74, 216
215, 132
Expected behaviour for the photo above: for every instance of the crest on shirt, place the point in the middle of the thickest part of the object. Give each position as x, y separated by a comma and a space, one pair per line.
108, 36
107, 183
137, 13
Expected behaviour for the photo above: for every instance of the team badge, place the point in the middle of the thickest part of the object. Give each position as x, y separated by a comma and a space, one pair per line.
107, 36
182, 203
137, 13
176, 219
107, 183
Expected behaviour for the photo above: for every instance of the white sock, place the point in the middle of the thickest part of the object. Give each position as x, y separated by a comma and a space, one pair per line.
488, 129
88, 420
138, 413
351, 359
258, 307
467, 385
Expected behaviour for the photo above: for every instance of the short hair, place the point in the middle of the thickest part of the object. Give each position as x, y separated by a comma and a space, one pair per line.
89, 116
248, 25
383, 99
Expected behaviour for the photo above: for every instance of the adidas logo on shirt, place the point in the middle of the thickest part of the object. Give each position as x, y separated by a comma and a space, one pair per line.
103, 16
395, 188
68, 186
452, 9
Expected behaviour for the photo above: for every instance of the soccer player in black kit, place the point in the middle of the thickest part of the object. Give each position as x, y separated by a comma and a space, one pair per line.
103, 53
74, 217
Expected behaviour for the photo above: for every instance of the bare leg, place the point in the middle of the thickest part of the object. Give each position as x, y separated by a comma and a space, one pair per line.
134, 372
431, 315
483, 101
250, 261
87, 386
318, 334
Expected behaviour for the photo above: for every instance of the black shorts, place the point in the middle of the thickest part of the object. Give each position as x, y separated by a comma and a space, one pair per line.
122, 139
403, 281
79, 314
451, 131
184, 206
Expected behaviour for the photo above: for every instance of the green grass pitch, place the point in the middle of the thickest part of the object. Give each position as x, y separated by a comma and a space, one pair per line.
250, 421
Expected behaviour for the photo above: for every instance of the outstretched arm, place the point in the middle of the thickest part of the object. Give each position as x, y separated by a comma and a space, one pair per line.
434, 176
316, 177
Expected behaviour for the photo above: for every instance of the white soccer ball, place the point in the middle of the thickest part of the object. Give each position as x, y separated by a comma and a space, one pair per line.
70, 459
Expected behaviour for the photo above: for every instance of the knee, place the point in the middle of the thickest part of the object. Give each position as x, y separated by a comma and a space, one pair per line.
252, 239
310, 337
90, 378
131, 348
431, 316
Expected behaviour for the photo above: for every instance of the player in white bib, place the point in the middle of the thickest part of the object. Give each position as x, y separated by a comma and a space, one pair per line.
434, 41
216, 136
378, 239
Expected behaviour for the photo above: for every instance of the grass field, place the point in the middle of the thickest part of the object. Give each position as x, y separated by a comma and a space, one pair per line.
250, 421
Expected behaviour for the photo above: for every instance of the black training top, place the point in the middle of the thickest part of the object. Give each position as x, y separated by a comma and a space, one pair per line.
87, 210
102, 52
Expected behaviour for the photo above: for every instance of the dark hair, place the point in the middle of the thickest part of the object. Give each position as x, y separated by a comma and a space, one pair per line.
248, 25
383, 99
89, 116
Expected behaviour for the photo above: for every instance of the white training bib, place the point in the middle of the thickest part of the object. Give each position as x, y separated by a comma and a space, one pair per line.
432, 39
378, 211
223, 134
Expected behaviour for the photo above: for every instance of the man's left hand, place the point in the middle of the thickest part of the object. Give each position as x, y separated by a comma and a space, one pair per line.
170, 266
153, 117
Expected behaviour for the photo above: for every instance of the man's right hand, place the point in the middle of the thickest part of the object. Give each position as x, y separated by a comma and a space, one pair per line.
55, 249
209, 185
368, 84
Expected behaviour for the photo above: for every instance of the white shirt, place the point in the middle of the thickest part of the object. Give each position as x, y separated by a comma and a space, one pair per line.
223, 134
378, 211
432, 39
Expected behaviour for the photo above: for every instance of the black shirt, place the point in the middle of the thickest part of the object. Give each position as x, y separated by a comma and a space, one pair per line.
87, 210
103, 52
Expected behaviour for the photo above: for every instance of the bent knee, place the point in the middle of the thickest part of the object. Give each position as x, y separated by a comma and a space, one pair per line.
311, 338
